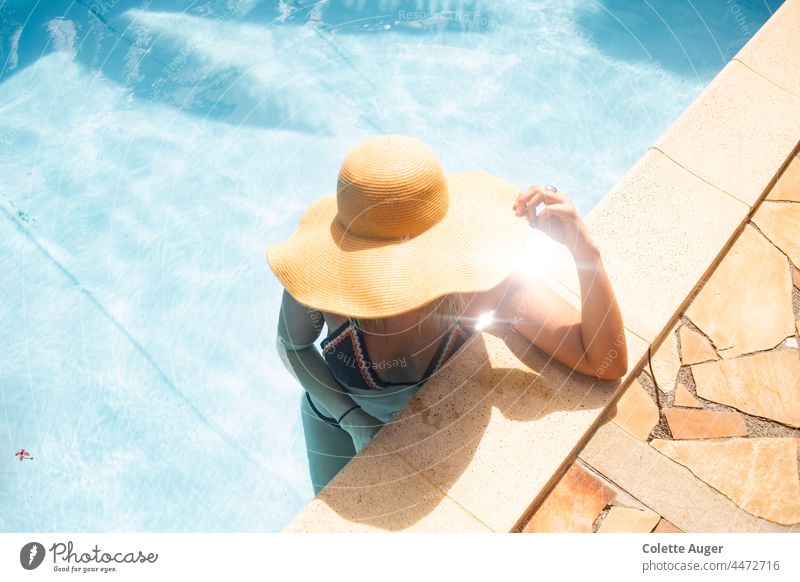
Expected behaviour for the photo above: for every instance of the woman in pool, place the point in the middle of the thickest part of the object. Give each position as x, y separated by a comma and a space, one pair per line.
403, 264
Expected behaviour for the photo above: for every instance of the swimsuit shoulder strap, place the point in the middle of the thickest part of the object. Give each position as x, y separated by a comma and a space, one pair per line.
338, 331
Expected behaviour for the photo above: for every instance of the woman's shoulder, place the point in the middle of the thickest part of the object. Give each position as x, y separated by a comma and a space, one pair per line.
502, 299
489, 299
334, 320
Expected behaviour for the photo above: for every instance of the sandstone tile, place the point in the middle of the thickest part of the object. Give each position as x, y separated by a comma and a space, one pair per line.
665, 245
685, 398
728, 138
746, 304
635, 411
695, 347
758, 474
377, 491
704, 424
788, 185
667, 486
573, 504
780, 222
666, 527
494, 426
628, 520
774, 50
327, 516
763, 384
666, 361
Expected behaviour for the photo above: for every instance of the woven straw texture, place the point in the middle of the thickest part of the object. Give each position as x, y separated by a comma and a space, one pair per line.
399, 233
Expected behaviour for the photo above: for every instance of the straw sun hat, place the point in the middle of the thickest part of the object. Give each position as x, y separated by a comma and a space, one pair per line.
399, 233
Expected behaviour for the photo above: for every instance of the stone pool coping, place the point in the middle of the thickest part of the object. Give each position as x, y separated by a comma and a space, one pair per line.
484, 441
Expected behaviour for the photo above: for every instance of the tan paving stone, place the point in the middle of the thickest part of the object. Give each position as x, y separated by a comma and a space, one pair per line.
746, 304
764, 384
666, 486
635, 411
727, 136
758, 474
667, 361
788, 185
498, 422
628, 520
667, 244
774, 51
780, 222
685, 398
704, 424
666, 527
695, 347
796, 278
573, 504
378, 491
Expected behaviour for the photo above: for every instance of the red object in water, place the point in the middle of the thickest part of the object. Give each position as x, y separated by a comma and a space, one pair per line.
23, 454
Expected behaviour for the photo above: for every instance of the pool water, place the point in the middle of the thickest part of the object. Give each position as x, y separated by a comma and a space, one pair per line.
151, 150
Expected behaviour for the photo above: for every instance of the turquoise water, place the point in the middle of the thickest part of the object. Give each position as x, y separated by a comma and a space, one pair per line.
150, 151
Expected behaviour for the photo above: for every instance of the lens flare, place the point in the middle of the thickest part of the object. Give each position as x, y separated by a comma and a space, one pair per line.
484, 320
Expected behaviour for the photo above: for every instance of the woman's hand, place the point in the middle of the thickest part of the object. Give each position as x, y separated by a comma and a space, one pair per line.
559, 219
361, 427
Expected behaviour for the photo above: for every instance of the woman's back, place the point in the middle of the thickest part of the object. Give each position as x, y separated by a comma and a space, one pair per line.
382, 371
401, 353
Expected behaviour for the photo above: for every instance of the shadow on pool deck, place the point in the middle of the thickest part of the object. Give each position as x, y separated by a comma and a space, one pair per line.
674, 235
439, 441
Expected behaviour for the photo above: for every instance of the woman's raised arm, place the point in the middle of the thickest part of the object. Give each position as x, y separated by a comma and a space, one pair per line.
590, 341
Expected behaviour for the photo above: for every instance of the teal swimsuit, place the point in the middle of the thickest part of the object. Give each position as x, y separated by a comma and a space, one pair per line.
329, 446
345, 354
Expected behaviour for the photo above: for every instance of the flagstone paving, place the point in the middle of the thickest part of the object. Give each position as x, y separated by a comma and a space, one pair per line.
665, 527
684, 398
695, 347
635, 411
788, 185
758, 474
574, 505
580, 501
713, 444
704, 424
746, 305
628, 519
780, 223
666, 362
765, 384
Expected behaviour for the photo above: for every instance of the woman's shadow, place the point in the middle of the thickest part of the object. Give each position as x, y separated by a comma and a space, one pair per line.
438, 445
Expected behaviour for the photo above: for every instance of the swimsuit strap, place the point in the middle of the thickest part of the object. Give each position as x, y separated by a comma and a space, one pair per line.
441, 355
367, 373
350, 329
446, 347
338, 330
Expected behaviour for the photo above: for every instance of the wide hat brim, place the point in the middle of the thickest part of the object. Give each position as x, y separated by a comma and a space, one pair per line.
473, 248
